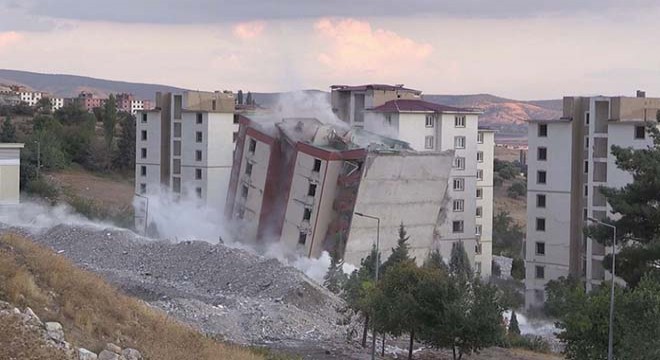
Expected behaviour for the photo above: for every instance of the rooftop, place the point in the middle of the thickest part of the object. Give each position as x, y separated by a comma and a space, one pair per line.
413, 105
365, 87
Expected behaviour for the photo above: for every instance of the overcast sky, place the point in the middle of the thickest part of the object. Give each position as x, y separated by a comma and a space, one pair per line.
524, 49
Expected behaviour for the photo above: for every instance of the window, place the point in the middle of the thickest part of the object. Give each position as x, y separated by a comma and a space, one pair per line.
234, 136
248, 169
540, 224
252, 147
586, 142
480, 138
459, 205
199, 118
311, 191
428, 142
586, 167
143, 170
457, 226
540, 248
144, 118
198, 191
477, 230
198, 155
540, 272
198, 174
542, 154
143, 153
459, 184
143, 188
302, 238
540, 200
176, 185
480, 193
586, 118
459, 121
177, 148
177, 129
480, 156
317, 165
480, 174
540, 177
585, 213
244, 192
459, 163
307, 214
236, 118
586, 190
199, 137
213, 104
640, 132
480, 211
430, 121
543, 130
176, 166
459, 142
143, 135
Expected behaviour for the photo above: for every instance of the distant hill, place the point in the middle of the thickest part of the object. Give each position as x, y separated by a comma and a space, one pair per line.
71, 85
499, 112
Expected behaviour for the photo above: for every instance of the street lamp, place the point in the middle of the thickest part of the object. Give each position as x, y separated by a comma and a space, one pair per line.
376, 260
610, 340
146, 215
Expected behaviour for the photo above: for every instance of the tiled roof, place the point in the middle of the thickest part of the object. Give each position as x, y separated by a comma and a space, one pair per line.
405, 105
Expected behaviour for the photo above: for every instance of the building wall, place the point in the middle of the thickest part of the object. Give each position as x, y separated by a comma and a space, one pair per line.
152, 125
399, 188
487, 148
10, 173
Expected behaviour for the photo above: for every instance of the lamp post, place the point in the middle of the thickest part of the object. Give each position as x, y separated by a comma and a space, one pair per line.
146, 215
610, 340
376, 260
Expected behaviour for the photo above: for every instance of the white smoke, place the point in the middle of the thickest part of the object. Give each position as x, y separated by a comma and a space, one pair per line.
537, 327
37, 217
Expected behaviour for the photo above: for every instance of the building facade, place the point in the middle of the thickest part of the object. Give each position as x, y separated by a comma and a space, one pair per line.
302, 182
30, 97
10, 167
569, 159
185, 146
427, 126
350, 102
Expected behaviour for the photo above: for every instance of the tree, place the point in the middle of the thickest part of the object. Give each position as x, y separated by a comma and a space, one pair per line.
505, 169
124, 158
239, 97
8, 131
636, 205
435, 261
518, 269
43, 106
507, 236
459, 263
518, 188
514, 329
109, 115
360, 287
401, 252
249, 100
335, 277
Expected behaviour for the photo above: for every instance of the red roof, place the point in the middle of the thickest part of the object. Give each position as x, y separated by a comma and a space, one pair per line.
405, 105
373, 87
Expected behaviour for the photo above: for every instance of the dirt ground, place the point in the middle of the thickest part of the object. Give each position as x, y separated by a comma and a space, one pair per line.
506, 154
113, 190
492, 354
517, 208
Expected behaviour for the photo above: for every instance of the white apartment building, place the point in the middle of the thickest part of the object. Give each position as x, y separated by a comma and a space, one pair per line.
185, 145
350, 102
136, 105
10, 168
428, 126
568, 160
31, 97
56, 103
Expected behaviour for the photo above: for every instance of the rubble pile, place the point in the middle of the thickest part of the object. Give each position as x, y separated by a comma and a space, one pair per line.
230, 293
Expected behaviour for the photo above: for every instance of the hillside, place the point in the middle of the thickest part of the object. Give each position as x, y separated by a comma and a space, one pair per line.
498, 110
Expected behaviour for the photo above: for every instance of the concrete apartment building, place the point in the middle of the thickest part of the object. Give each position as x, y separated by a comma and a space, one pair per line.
401, 113
568, 160
185, 145
300, 182
128, 103
10, 168
30, 97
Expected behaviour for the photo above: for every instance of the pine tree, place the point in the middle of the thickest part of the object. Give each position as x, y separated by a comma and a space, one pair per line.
8, 133
249, 100
124, 158
459, 264
109, 115
358, 289
401, 252
239, 97
335, 278
514, 329
435, 261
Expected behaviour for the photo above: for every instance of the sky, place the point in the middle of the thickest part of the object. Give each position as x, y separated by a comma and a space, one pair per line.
522, 49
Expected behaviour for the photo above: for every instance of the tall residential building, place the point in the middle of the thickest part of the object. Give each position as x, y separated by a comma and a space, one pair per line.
10, 168
350, 102
303, 183
569, 159
56, 103
30, 97
185, 145
432, 127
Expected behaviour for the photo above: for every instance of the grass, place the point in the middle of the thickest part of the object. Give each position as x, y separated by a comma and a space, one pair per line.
18, 342
92, 311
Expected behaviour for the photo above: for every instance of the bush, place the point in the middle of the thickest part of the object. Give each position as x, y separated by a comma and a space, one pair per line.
518, 269
43, 188
516, 189
528, 342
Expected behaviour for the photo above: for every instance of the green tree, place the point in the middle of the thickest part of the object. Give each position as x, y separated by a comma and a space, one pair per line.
239, 97
43, 106
507, 236
77, 132
360, 287
335, 277
109, 115
518, 188
124, 158
518, 269
459, 263
249, 100
401, 252
8, 131
505, 169
435, 261
514, 329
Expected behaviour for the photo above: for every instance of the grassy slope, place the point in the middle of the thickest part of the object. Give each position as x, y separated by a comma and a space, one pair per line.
93, 312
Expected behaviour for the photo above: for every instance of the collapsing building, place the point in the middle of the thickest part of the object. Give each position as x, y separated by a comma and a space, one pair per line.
302, 183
